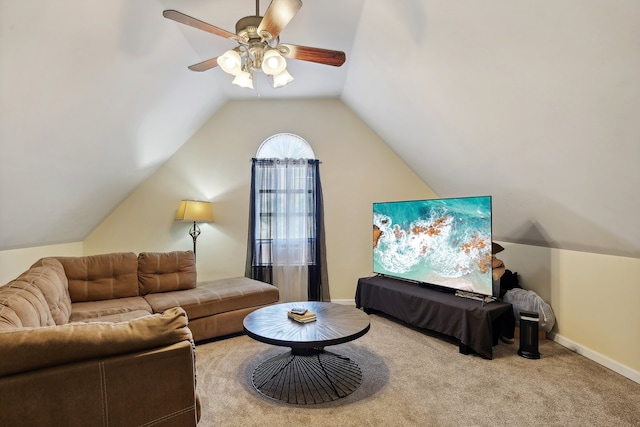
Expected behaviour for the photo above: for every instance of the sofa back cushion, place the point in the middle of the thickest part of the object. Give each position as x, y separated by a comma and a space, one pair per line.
48, 275
22, 304
101, 277
29, 349
166, 271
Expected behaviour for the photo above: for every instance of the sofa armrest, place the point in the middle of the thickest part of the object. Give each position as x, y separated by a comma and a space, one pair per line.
26, 349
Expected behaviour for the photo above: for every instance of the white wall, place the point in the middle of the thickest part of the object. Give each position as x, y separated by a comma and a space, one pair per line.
14, 262
595, 300
357, 169
533, 102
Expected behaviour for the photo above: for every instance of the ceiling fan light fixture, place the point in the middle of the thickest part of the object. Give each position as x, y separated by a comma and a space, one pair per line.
273, 63
243, 79
282, 79
230, 62
259, 47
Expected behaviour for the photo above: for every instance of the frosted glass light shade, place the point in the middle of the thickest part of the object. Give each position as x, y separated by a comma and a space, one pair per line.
282, 79
243, 79
273, 63
230, 62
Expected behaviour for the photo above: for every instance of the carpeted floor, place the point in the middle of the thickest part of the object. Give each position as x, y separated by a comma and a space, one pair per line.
413, 378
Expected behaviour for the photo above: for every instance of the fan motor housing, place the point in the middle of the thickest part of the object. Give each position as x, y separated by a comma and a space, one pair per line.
247, 28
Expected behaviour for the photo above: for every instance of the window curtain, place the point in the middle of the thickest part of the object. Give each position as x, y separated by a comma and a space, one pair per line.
286, 239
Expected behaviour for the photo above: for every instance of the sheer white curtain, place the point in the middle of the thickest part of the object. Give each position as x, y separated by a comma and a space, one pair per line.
285, 210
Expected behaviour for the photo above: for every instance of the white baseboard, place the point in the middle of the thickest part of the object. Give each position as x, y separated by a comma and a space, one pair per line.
621, 369
351, 302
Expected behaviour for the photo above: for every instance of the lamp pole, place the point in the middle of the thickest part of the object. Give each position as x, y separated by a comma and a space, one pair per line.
194, 232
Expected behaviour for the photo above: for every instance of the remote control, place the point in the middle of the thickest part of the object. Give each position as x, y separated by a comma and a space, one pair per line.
298, 310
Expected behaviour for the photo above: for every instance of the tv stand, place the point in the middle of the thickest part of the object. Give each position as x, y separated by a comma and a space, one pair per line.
475, 324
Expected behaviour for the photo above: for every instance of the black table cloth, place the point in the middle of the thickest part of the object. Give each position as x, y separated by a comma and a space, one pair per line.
476, 325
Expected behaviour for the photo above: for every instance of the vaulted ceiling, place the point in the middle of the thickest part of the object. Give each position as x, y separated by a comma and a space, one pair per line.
535, 103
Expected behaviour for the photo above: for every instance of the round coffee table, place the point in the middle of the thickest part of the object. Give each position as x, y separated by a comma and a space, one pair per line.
308, 373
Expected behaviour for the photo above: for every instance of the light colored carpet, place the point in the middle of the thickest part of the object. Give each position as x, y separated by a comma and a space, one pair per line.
414, 378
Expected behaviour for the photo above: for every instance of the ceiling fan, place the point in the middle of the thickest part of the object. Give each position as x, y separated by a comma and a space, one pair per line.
259, 47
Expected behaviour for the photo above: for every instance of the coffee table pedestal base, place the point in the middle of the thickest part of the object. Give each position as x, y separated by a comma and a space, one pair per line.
307, 376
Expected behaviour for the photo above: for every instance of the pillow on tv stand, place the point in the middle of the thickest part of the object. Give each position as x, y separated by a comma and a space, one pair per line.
509, 280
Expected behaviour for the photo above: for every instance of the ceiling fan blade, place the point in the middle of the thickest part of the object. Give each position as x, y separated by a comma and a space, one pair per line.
277, 16
196, 23
313, 54
204, 65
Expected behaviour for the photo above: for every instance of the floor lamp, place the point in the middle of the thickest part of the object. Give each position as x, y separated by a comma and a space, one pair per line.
196, 211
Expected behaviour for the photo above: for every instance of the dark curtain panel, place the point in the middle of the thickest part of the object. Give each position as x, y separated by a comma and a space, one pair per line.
318, 277
263, 273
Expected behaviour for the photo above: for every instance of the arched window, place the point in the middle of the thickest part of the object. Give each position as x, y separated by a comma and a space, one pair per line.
286, 227
285, 146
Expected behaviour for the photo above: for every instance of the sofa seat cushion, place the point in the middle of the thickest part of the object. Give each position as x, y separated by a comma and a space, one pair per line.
22, 304
95, 310
101, 277
214, 297
48, 275
21, 350
166, 271
116, 318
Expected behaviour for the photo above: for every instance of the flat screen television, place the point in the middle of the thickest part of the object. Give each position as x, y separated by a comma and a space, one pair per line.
441, 242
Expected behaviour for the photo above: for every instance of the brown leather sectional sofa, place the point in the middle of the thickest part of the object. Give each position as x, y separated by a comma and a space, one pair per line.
109, 339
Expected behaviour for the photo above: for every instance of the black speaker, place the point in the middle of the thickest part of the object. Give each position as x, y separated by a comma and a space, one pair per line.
529, 335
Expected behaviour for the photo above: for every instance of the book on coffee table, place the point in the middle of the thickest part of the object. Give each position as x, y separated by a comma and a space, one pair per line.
302, 318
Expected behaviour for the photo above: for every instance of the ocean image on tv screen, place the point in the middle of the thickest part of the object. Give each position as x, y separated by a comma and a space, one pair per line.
444, 242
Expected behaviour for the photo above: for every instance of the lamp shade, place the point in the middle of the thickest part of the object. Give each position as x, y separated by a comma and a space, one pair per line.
282, 79
243, 79
273, 63
194, 210
230, 62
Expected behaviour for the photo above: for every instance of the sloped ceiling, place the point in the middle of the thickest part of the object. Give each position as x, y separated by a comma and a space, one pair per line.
534, 103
